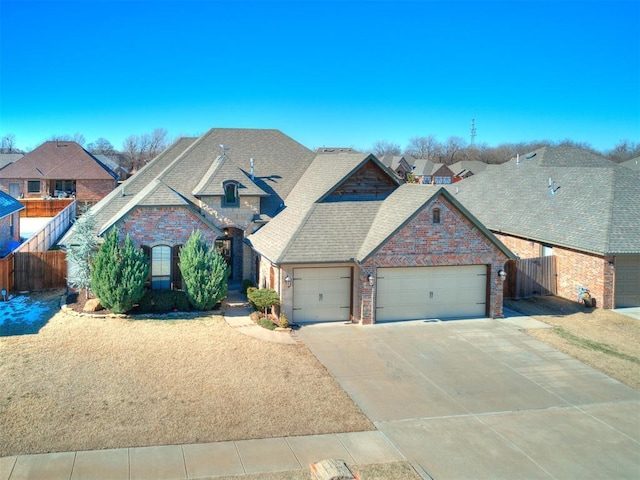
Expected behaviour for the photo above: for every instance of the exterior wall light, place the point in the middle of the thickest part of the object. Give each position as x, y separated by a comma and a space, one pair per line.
502, 274
371, 279
287, 280
226, 232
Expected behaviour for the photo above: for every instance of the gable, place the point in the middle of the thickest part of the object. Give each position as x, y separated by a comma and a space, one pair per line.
369, 182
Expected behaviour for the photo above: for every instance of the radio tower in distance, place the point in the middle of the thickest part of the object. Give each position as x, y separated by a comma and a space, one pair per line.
473, 131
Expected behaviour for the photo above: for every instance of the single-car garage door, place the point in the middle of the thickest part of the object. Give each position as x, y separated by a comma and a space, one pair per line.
410, 293
628, 281
321, 294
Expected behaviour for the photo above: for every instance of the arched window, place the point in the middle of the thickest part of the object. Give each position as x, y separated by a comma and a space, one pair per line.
230, 198
161, 267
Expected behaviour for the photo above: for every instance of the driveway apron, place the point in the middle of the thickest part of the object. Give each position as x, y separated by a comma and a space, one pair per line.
481, 399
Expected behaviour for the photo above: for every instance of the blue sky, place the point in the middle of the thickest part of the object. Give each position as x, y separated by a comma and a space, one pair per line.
325, 73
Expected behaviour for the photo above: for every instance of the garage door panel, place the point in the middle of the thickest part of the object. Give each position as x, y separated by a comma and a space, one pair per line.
431, 292
322, 294
628, 281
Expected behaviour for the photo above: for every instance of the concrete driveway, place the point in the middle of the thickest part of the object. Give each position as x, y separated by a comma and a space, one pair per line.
481, 399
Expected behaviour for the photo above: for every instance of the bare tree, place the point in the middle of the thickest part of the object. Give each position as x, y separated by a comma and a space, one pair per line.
101, 146
8, 143
423, 147
138, 150
624, 150
382, 147
451, 148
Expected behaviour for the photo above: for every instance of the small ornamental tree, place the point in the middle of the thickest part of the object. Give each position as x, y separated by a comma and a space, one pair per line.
118, 273
81, 254
263, 298
205, 273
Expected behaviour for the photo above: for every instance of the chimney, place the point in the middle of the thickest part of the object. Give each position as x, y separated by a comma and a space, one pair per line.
251, 162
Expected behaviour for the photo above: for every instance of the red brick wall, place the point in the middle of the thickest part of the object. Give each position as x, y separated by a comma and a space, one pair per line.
455, 241
171, 226
92, 191
574, 268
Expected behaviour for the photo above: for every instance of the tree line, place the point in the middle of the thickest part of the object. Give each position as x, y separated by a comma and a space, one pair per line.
456, 149
137, 150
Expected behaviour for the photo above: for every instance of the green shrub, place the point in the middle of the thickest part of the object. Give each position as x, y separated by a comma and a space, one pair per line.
266, 323
205, 273
119, 273
263, 298
163, 301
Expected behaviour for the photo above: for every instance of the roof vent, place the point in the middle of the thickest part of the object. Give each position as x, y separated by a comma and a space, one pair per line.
552, 187
224, 149
251, 162
531, 155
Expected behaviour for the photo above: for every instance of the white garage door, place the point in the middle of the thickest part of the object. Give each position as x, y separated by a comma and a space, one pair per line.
321, 294
628, 281
410, 293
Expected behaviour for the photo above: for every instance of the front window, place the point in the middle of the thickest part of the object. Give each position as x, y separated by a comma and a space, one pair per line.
436, 215
33, 186
161, 267
65, 187
230, 194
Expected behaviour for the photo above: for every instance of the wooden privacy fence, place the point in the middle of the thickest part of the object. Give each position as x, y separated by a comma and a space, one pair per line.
531, 276
44, 208
6, 273
35, 271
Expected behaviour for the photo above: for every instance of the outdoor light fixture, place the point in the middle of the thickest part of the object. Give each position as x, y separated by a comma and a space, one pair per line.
502, 274
226, 232
287, 280
371, 279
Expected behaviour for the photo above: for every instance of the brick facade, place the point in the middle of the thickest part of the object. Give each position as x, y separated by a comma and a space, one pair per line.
421, 243
163, 226
574, 269
92, 191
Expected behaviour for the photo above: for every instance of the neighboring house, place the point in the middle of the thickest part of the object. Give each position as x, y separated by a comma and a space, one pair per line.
429, 173
9, 158
633, 164
332, 150
9, 223
466, 168
400, 164
227, 184
113, 165
354, 244
573, 204
58, 169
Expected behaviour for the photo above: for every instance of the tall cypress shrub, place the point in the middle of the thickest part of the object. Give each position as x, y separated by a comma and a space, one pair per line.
205, 273
118, 273
80, 255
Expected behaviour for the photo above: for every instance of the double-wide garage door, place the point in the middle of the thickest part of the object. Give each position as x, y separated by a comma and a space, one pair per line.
322, 294
408, 293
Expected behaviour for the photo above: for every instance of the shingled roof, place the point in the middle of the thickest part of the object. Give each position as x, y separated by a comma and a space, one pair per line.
192, 167
57, 160
559, 196
310, 230
9, 205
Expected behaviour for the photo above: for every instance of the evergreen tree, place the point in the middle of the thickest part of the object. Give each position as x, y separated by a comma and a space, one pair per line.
204, 272
82, 253
119, 273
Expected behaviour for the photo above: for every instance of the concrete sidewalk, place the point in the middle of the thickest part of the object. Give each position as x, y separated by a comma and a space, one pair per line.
178, 462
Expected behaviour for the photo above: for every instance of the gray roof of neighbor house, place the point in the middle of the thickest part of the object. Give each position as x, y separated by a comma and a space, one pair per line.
559, 196
312, 231
633, 164
9, 158
195, 166
112, 163
9, 205
470, 166
58, 160
422, 166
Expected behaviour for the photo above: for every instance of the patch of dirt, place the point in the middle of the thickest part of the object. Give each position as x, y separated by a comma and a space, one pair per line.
603, 339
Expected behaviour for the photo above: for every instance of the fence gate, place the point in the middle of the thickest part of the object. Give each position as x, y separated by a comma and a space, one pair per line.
527, 277
35, 271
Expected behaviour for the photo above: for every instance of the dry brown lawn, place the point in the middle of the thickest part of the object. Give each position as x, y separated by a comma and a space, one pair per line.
87, 383
603, 339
